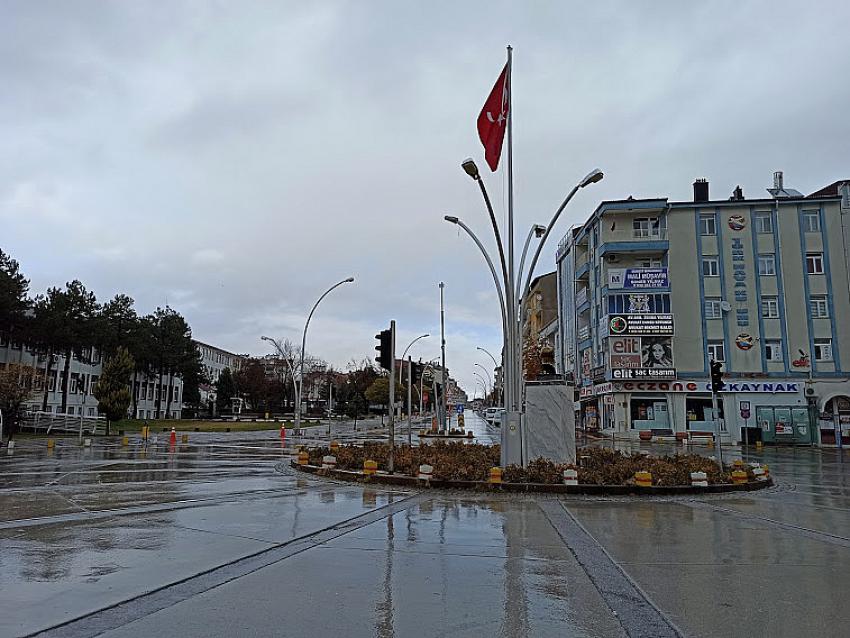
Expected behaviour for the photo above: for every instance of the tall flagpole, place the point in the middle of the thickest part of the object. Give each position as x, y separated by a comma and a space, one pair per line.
512, 295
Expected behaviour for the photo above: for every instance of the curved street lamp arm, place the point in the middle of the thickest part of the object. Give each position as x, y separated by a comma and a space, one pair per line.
310, 316
505, 276
489, 378
489, 261
495, 363
555, 217
411, 343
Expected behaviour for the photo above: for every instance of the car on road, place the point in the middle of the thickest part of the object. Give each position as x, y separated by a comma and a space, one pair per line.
493, 416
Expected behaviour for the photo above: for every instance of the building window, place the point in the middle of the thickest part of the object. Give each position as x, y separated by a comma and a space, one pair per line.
811, 221
770, 308
767, 264
707, 225
651, 262
716, 351
646, 227
764, 223
814, 263
773, 350
823, 349
712, 308
710, 267
818, 307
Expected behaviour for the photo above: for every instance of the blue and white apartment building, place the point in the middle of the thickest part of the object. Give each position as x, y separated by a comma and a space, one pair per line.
650, 290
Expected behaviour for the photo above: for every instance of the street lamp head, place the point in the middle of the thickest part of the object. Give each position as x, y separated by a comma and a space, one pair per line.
349, 280
539, 230
592, 177
470, 168
451, 219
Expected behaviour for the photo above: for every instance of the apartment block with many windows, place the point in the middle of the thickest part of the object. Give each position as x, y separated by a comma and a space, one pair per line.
651, 290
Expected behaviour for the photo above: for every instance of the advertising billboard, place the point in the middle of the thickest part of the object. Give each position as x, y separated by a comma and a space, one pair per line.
637, 278
641, 357
640, 324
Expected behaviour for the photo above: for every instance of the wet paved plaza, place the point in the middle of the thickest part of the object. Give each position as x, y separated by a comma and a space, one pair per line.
221, 538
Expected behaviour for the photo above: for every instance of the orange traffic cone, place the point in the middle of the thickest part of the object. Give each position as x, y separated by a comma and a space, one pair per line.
173, 439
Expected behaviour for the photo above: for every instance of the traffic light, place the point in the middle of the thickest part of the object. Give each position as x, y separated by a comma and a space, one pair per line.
415, 370
716, 376
385, 349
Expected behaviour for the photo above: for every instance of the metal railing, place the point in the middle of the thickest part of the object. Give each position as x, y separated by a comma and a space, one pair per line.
50, 422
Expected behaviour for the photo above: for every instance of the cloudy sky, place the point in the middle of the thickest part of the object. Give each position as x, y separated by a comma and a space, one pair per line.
235, 159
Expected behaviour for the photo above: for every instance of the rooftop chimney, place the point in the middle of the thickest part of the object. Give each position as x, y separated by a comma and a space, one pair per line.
777, 180
737, 194
701, 190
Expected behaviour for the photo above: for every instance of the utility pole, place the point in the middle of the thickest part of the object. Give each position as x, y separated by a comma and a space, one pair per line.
445, 403
390, 461
409, 398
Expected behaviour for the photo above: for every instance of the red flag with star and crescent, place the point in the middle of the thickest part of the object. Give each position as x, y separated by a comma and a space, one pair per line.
493, 119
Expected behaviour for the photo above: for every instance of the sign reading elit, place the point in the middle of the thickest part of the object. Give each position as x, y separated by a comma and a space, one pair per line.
649, 324
643, 373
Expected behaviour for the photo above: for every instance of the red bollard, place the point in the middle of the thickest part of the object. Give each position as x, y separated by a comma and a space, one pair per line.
282, 433
172, 440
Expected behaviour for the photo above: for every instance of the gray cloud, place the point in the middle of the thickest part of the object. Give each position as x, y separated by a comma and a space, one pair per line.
235, 159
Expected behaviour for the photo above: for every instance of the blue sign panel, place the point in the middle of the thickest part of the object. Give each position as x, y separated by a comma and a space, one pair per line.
638, 278
459, 408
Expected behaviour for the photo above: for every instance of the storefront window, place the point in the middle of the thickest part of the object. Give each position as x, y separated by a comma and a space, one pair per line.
699, 413
649, 413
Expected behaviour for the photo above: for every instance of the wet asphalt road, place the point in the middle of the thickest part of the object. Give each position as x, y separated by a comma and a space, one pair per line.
221, 538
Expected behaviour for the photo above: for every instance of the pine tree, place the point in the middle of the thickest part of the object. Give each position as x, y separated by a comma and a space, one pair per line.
112, 390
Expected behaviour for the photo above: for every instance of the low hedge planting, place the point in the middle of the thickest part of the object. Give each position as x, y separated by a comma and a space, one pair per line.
458, 461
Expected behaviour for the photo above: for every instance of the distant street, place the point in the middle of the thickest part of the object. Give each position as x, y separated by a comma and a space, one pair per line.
242, 544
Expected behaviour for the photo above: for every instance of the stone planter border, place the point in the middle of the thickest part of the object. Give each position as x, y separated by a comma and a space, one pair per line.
547, 488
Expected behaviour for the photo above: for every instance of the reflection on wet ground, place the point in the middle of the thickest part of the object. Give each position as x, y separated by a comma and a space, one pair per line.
242, 545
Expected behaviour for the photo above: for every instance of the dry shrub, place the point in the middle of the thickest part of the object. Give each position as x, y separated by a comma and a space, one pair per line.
460, 461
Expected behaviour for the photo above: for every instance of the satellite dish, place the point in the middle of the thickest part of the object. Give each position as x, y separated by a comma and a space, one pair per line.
725, 306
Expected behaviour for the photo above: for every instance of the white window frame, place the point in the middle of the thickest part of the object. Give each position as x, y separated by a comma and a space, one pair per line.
708, 225
652, 262
814, 263
711, 259
771, 304
712, 308
773, 350
819, 306
646, 227
763, 228
763, 260
810, 216
823, 350
717, 351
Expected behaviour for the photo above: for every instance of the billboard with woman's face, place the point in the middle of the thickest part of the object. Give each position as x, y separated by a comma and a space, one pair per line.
656, 352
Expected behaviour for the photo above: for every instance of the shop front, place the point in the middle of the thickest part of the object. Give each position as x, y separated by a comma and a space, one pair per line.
773, 411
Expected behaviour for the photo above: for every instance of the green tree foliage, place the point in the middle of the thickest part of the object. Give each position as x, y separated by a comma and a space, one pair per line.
13, 295
379, 391
113, 388
15, 383
254, 384
225, 389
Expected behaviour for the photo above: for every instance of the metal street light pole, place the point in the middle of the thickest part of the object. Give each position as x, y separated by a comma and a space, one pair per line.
410, 380
483, 380
489, 378
445, 402
503, 307
304, 346
279, 349
495, 365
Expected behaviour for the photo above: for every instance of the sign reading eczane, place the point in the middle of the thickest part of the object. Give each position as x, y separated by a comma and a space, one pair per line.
644, 324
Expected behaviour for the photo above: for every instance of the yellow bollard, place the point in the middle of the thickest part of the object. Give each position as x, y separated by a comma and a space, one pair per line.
125, 441
739, 477
370, 467
50, 443
495, 475
643, 479
759, 445
145, 432
303, 457
710, 443
184, 438
738, 464
334, 446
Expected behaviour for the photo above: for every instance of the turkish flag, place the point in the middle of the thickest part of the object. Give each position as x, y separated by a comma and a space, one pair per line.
493, 119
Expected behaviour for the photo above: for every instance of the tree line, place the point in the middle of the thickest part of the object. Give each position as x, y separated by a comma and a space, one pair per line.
69, 322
